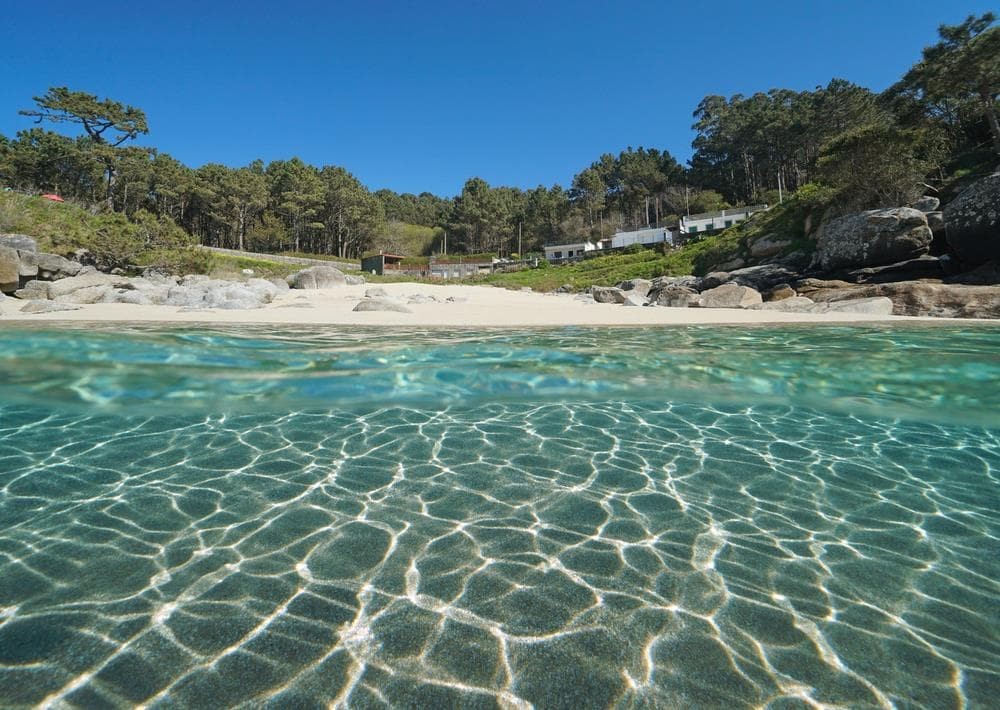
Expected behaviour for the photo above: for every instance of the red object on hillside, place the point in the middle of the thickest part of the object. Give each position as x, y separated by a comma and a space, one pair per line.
54, 198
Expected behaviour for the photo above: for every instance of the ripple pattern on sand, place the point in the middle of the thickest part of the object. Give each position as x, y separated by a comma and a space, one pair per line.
555, 555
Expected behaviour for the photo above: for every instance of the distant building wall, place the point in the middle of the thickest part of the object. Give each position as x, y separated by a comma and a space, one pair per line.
642, 236
713, 221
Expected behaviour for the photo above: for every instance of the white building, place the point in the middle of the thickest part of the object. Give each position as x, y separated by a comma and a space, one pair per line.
643, 236
556, 252
714, 221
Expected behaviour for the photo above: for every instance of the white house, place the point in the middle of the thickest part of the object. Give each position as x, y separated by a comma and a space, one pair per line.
556, 252
642, 236
714, 221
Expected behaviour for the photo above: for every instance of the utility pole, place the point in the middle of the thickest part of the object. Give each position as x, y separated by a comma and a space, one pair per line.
446, 243
780, 185
520, 254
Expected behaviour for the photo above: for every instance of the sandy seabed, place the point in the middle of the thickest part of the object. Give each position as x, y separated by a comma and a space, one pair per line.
473, 306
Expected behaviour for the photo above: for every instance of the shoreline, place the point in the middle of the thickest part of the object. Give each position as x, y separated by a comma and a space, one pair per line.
471, 307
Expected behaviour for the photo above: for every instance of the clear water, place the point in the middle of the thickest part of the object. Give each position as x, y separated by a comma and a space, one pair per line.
572, 518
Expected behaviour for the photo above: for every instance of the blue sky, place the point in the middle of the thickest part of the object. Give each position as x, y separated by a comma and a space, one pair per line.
421, 96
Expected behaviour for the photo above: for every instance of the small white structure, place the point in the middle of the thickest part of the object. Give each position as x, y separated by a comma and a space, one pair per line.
557, 252
714, 221
643, 236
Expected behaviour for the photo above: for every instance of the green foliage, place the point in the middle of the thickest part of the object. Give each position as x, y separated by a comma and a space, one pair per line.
98, 118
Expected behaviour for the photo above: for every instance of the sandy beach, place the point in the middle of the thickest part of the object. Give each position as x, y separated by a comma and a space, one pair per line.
471, 306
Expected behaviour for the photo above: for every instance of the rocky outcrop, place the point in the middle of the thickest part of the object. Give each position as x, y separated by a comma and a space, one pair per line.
730, 295
972, 222
607, 294
872, 238
762, 277
633, 298
381, 304
47, 307
316, 277
50, 267
674, 297
918, 298
923, 267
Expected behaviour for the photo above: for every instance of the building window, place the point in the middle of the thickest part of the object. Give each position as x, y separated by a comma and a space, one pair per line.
557, 255
569, 253
729, 223
693, 228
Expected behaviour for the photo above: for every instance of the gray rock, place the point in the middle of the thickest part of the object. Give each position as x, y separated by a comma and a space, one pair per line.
691, 282
316, 277
795, 304
781, 292
47, 307
634, 299
713, 279
927, 203
376, 292
923, 267
935, 220
10, 269
265, 290
607, 294
280, 284
872, 238
763, 276
49, 267
638, 286
730, 295
18, 242
921, 298
972, 222
456, 299
734, 263
87, 294
189, 279
353, 280
674, 297
138, 298
875, 306
381, 304
34, 291
768, 245
565, 288
63, 287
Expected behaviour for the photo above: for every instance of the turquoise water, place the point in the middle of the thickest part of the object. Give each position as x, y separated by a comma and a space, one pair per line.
678, 517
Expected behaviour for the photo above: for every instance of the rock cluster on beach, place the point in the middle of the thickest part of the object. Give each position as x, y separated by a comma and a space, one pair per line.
916, 260
50, 283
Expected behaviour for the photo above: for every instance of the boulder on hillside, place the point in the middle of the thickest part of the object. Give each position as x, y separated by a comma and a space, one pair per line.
10, 269
18, 242
972, 222
872, 238
354, 280
607, 294
316, 277
730, 295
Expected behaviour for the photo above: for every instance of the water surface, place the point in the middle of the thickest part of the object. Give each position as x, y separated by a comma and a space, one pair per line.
560, 518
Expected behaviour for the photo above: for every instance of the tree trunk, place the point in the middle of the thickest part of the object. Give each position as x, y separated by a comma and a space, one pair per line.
991, 117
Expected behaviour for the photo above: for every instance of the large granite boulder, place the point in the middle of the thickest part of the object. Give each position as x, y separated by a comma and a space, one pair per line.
63, 287
674, 297
19, 242
923, 267
10, 269
871, 238
633, 298
762, 277
639, 287
316, 277
607, 294
972, 222
355, 280
34, 291
50, 267
730, 295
